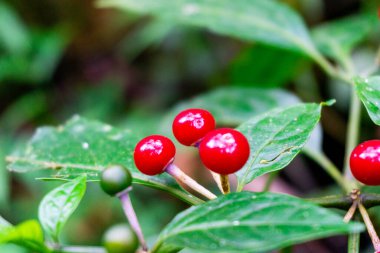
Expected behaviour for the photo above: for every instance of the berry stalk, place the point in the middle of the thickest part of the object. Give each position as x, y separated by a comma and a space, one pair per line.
217, 180
225, 184
350, 213
371, 230
131, 216
355, 197
179, 175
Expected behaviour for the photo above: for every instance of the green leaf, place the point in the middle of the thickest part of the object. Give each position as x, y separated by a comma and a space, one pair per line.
368, 90
233, 105
337, 39
14, 36
37, 64
58, 205
27, 234
269, 22
250, 222
84, 146
4, 223
254, 67
275, 138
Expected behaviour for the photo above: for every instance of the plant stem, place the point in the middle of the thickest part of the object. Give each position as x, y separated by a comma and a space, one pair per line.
323, 63
345, 201
80, 249
350, 213
225, 184
353, 243
179, 175
132, 218
216, 178
329, 167
271, 177
352, 131
371, 230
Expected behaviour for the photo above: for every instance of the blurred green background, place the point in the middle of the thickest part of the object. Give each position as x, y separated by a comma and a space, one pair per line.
60, 58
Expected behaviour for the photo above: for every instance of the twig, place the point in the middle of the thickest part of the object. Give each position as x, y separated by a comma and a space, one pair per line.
179, 175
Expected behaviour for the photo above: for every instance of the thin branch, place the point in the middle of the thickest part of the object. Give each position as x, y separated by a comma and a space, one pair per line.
180, 176
344, 202
371, 230
353, 243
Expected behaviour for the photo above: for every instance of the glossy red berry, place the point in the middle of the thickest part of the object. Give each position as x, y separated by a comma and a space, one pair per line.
153, 154
191, 125
365, 162
224, 150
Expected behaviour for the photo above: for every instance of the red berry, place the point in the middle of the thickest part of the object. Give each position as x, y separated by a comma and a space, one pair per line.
224, 150
153, 154
365, 162
191, 125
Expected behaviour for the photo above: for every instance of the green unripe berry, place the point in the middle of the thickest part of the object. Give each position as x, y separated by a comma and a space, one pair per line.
120, 239
115, 179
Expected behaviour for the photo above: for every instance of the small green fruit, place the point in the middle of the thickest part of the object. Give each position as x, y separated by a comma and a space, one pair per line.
115, 179
120, 239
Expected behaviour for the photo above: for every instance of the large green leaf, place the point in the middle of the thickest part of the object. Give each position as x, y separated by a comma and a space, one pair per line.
233, 105
368, 89
27, 234
254, 67
58, 205
275, 138
268, 21
250, 222
83, 146
337, 39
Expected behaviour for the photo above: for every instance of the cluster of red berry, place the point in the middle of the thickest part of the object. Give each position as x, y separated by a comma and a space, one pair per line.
223, 150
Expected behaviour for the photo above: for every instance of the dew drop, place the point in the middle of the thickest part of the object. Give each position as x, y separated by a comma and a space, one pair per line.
85, 145
106, 128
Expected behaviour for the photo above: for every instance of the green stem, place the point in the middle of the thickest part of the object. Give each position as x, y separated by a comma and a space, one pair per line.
352, 131
353, 243
344, 202
327, 67
329, 167
272, 176
323, 63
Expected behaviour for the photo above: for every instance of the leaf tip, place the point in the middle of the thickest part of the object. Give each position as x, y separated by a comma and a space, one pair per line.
329, 102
